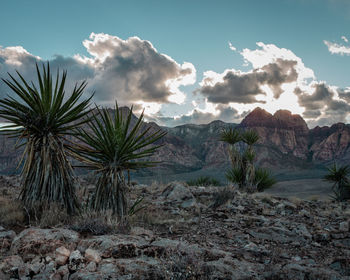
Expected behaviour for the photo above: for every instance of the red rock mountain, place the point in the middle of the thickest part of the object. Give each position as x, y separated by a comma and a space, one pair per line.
285, 143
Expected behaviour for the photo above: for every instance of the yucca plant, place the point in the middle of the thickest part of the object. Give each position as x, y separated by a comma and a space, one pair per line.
110, 146
263, 179
41, 115
243, 172
339, 176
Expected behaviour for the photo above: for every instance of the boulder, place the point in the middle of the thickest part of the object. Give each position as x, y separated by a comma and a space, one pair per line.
36, 241
180, 194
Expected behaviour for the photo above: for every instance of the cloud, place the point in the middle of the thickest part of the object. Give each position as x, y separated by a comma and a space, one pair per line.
324, 106
131, 71
335, 48
278, 80
344, 94
202, 116
245, 87
232, 47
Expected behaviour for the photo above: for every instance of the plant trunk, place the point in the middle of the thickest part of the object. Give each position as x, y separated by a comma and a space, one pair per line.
110, 193
47, 176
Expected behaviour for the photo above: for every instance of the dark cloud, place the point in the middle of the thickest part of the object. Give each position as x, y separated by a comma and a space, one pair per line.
244, 87
226, 114
344, 94
321, 104
130, 70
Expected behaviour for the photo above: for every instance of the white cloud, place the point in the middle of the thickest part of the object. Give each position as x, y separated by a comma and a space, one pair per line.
232, 47
269, 53
335, 48
345, 39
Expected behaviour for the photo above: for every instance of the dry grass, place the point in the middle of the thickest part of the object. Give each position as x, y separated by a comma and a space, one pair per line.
11, 212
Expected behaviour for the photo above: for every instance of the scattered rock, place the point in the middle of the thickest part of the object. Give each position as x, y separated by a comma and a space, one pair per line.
343, 226
76, 261
177, 192
92, 256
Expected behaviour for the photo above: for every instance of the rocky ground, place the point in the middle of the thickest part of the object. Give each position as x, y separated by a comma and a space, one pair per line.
188, 233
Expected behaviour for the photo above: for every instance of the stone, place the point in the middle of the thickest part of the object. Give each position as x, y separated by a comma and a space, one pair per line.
7, 234
76, 260
91, 267
43, 241
343, 226
92, 256
301, 230
177, 192
62, 255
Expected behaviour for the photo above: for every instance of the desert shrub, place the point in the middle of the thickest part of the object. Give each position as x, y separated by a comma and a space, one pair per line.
52, 216
11, 213
92, 226
204, 181
221, 197
242, 155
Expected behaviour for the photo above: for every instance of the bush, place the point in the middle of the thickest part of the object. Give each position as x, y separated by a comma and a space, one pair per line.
204, 181
221, 197
263, 179
11, 213
92, 226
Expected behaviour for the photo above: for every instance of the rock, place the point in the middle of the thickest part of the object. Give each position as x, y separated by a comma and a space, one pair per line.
302, 231
76, 261
91, 267
343, 226
13, 265
64, 272
7, 234
146, 233
92, 256
177, 192
62, 255
36, 266
2, 228
108, 244
322, 236
36, 241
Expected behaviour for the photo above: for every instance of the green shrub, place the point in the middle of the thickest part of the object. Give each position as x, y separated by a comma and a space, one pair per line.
339, 176
204, 181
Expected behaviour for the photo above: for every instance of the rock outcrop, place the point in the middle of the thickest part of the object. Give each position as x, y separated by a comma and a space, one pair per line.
283, 130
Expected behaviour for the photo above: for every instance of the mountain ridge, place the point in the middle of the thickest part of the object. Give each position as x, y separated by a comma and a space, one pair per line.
286, 143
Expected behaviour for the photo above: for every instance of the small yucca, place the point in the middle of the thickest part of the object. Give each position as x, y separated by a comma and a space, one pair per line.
110, 146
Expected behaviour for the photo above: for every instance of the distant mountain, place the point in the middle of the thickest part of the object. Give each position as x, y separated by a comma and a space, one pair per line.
287, 146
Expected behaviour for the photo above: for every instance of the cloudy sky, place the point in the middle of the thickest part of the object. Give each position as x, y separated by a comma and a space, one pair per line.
190, 61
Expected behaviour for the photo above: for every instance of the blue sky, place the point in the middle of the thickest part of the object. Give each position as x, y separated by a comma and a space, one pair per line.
197, 32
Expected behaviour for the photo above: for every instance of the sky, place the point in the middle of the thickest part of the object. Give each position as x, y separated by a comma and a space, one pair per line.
189, 61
